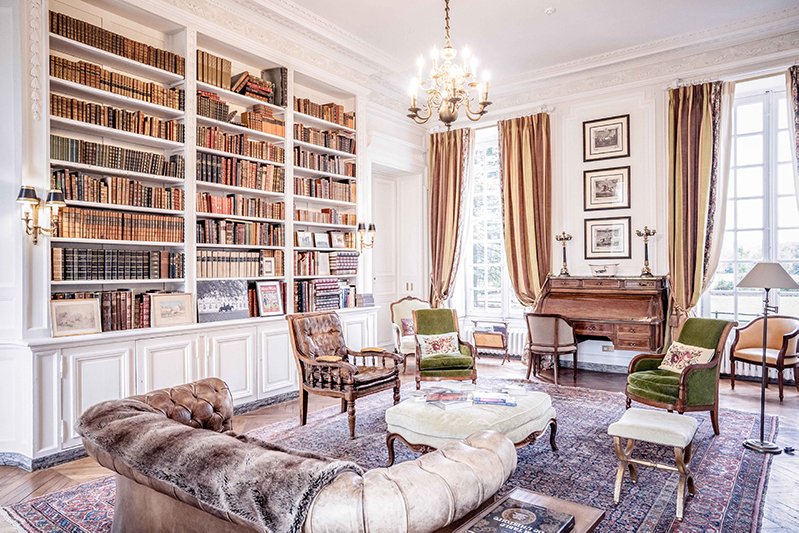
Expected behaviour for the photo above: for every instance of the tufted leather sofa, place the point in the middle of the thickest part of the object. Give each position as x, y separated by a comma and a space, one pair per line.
422, 495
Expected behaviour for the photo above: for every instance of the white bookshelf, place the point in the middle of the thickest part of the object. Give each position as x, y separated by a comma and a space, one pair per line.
84, 92
324, 149
145, 142
202, 149
232, 127
315, 122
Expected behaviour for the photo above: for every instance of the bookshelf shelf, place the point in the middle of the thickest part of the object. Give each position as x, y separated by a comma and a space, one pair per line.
302, 171
71, 88
323, 201
324, 225
329, 276
103, 131
238, 128
309, 119
245, 278
239, 246
158, 281
208, 185
121, 207
236, 98
96, 55
107, 171
114, 242
314, 249
239, 156
201, 215
324, 149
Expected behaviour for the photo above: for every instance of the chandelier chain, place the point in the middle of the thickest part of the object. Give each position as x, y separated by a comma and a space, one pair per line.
447, 40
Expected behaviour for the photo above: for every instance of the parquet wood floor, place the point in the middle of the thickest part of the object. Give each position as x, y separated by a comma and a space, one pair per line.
782, 499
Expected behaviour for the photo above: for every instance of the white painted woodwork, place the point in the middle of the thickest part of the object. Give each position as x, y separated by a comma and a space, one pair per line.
277, 370
231, 356
386, 254
164, 362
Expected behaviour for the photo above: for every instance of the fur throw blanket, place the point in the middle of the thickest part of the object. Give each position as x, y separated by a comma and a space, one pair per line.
251, 481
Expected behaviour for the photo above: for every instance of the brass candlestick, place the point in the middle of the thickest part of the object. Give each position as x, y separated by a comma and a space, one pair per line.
646, 272
563, 238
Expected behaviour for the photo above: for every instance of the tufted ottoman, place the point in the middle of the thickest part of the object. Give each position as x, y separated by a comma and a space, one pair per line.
424, 427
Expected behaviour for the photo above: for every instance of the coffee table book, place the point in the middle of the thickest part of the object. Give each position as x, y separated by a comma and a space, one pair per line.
517, 516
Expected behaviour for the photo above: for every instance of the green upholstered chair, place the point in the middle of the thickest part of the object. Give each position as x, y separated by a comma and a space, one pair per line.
696, 388
447, 366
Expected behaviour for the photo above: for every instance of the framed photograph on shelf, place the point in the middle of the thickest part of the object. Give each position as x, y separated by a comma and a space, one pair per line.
75, 317
222, 300
606, 138
321, 240
337, 239
267, 266
270, 298
606, 188
304, 239
171, 309
607, 238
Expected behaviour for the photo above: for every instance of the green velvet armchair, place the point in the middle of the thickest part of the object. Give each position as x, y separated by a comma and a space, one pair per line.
447, 366
696, 388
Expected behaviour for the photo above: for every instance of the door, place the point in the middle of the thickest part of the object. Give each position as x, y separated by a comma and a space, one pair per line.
385, 253
165, 362
231, 358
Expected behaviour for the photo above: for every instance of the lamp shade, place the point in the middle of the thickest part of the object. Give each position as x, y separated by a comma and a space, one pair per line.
768, 276
55, 198
27, 195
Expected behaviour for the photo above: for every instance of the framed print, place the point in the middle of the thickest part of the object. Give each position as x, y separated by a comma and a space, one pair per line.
270, 298
607, 238
606, 188
606, 138
337, 239
321, 240
304, 239
222, 300
75, 317
267, 266
171, 309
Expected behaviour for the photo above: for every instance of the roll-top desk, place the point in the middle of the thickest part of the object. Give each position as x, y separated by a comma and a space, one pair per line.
630, 312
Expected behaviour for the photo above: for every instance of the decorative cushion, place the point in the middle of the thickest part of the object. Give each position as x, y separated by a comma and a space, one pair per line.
658, 385
437, 344
452, 360
682, 355
407, 326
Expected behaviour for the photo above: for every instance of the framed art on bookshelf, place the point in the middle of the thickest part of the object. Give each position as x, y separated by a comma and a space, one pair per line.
321, 240
607, 238
75, 317
606, 188
606, 138
304, 239
337, 239
270, 299
171, 309
222, 300
267, 266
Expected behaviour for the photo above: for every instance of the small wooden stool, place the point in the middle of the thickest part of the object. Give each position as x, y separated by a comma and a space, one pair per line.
656, 427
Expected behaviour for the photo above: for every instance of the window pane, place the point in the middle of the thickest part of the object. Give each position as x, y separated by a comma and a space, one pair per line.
494, 231
478, 253
782, 114
749, 118
749, 214
478, 229
741, 270
750, 245
478, 277
749, 150
494, 277
728, 246
789, 302
785, 179
494, 253
783, 147
750, 304
749, 182
788, 244
787, 216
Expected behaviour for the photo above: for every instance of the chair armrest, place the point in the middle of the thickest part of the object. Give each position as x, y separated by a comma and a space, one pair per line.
698, 383
786, 339
468, 346
383, 355
645, 361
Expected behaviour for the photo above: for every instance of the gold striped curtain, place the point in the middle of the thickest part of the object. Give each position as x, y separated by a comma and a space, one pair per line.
694, 199
449, 160
526, 169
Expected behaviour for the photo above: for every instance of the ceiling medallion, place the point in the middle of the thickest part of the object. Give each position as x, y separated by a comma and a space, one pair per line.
450, 84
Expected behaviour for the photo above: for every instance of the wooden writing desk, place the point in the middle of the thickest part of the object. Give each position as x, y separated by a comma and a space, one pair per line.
630, 312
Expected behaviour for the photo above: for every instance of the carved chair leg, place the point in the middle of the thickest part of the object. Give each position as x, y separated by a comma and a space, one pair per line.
351, 417
623, 454
529, 365
574, 367
390, 445
779, 381
714, 419
629, 403
418, 382
553, 430
303, 406
397, 392
796, 376
732, 374
343, 405
682, 458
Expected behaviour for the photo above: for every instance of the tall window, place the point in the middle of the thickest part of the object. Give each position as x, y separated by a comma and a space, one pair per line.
488, 290
762, 214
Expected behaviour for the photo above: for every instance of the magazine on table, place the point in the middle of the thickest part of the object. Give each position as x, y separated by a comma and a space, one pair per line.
448, 399
494, 398
516, 516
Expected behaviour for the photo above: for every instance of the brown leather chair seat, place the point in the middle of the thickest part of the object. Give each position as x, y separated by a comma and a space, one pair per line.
373, 374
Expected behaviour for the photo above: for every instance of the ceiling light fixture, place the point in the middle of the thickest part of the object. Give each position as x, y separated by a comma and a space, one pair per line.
450, 84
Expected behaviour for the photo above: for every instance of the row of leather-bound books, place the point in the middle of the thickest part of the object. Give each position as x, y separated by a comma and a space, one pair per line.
323, 162
239, 264
237, 204
115, 190
213, 231
101, 224
327, 215
336, 139
229, 170
239, 144
327, 188
70, 264
330, 112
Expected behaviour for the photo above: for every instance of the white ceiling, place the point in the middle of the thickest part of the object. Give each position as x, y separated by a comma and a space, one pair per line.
511, 37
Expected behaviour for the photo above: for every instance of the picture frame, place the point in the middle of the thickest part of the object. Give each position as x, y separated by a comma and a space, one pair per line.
606, 138
606, 188
608, 238
224, 299
321, 240
304, 239
337, 239
75, 317
270, 298
267, 266
171, 309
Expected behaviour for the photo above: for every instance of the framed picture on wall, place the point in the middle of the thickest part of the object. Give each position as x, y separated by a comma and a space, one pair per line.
607, 238
606, 138
606, 188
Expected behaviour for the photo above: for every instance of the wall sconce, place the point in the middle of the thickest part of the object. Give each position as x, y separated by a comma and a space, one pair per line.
366, 238
31, 211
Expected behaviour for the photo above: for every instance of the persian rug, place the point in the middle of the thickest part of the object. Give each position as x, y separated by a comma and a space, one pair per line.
730, 480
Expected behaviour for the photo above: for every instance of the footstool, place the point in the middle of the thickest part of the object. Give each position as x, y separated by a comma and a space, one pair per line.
424, 427
656, 427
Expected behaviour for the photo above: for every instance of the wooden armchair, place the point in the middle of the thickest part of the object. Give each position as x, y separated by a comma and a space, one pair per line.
404, 340
781, 347
550, 335
456, 366
696, 388
327, 367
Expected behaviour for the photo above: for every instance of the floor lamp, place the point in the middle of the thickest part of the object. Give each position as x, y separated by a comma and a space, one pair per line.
766, 276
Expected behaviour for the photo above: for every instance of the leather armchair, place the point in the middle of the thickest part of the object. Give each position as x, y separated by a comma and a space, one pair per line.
437, 368
405, 345
781, 347
327, 367
696, 388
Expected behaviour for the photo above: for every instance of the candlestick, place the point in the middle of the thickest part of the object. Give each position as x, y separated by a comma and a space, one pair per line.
646, 272
563, 238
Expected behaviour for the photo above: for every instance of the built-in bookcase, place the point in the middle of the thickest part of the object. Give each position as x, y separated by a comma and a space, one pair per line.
183, 122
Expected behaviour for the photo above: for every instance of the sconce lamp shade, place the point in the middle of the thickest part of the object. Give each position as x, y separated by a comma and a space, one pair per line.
361, 227
27, 195
55, 198
768, 276
371, 228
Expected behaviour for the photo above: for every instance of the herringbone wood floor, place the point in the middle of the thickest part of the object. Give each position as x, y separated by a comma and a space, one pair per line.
782, 499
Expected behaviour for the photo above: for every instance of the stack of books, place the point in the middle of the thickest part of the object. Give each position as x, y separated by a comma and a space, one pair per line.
343, 263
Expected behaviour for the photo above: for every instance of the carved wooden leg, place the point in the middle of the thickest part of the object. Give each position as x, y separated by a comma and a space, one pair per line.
553, 429
556, 366
623, 454
779, 382
732, 374
351, 417
397, 392
418, 382
574, 367
714, 419
390, 445
529, 365
343, 405
687, 457
796, 375
303, 406
629, 402
683, 484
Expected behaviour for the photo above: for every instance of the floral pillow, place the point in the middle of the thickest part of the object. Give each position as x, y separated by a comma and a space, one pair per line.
681, 355
437, 344
407, 326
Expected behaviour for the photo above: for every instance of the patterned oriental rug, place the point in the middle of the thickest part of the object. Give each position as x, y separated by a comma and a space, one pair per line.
730, 480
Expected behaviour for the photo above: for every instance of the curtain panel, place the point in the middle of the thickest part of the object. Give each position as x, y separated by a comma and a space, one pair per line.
792, 94
450, 152
697, 179
526, 172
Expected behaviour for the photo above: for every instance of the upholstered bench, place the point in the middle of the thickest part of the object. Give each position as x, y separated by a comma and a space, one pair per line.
656, 427
424, 427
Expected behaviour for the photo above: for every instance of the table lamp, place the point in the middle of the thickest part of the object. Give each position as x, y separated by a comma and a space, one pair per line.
766, 276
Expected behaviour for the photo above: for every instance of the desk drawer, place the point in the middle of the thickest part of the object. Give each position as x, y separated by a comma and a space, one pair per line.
569, 283
631, 330
640, 284
607, 283
593, 328
631, 342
